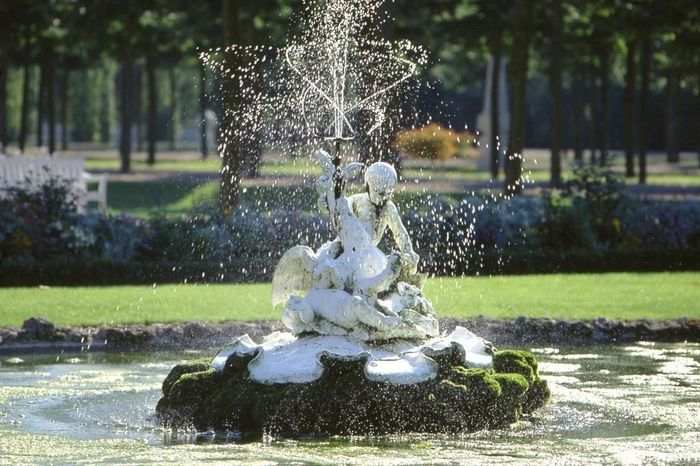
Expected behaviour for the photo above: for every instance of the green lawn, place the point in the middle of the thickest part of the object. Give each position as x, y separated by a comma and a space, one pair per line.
165, 197
143, 198
177, 195
573, 296
168, 163
179, 198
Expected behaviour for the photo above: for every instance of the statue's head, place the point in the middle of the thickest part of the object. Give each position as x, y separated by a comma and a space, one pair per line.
381, 181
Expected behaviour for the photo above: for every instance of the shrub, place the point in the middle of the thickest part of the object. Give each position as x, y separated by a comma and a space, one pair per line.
43, 236
670, 225
567, 223
429, 142
600, 191
40, 221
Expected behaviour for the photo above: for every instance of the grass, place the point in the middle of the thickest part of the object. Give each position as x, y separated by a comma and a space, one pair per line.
143, 198
167, 197
571, 296
178, 190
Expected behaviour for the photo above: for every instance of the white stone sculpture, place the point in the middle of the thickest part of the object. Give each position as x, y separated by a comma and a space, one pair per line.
283, 358
350, 287
349, 300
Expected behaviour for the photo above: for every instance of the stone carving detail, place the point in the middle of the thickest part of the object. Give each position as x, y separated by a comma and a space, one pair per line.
349, 286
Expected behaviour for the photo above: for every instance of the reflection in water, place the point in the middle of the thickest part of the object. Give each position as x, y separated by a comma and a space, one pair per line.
637, 404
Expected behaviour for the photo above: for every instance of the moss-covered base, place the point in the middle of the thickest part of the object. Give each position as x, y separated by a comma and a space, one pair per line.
344, 402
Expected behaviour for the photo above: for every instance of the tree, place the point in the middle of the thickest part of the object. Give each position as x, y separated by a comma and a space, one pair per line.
579, 60
120, 32
556, 39
687, 51
158, 34
493, 16
645, 95
50, 31
26, 35
229, 147
17, 44
202, 20
4, 69
522, 33
673, 61
630, 94
672, 155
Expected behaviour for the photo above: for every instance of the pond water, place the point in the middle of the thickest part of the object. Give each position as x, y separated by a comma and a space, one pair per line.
637, 404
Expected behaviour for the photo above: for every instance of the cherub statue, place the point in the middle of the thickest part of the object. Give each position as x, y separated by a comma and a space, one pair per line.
349, 287
374, 209
344, 289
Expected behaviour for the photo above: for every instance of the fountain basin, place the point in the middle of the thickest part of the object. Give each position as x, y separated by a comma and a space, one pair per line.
343, 401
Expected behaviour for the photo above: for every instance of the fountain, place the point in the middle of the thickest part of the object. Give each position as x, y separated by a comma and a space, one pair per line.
363, 353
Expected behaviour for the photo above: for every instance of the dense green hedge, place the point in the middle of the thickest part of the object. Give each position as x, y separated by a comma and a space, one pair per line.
66, 271
588, 226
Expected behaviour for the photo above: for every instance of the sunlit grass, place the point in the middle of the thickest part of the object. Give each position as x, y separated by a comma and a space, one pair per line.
168, 198
211, 164
454, 170
168, 193
571, 296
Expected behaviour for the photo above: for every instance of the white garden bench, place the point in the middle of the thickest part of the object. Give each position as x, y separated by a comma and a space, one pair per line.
18, 171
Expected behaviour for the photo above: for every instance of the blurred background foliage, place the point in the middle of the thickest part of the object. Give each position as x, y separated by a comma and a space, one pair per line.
77, 71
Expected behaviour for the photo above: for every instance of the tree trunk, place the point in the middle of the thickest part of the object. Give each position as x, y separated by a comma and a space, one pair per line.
105, 105
594, 124
4, 68
40, 106
172, 78
630, 92
65, 88
50, 104
127, 89
577, 105
138, 84
604, 104
496, 53
644, 116
672, 155
229, 147
522, 32
24, 113
152, 108
203, 143
555, 92
251, 148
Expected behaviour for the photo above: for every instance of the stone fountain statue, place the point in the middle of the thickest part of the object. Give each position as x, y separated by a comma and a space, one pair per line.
349, 299
350, 287
363, 353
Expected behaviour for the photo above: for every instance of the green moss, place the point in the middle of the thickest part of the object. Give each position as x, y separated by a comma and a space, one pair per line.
516, 362
509, 408
513, 386
194, 386
180, 370
478, 383
344, 402
538, 396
